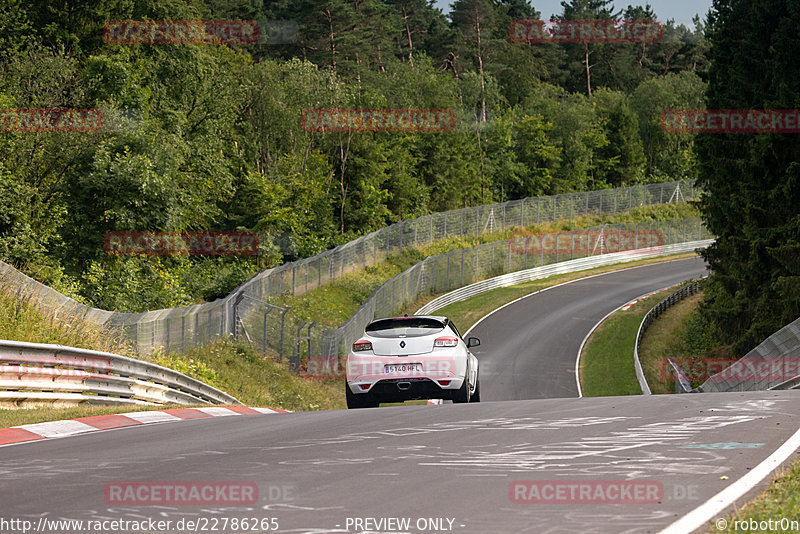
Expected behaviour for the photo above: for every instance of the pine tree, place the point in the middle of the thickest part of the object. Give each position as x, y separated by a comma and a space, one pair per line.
752, 181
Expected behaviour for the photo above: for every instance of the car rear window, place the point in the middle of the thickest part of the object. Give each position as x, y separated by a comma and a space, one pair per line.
404, 326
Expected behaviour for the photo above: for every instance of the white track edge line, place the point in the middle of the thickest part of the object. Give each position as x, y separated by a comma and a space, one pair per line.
565, 283
596, 326
716, 504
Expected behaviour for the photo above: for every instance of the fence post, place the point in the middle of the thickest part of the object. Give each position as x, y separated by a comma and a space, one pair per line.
571, 198
476, 262
557, 234
462, 265
522, 215
538, 209
448, 270
264, 343
283, 330
527, 241
431, 218
433, 278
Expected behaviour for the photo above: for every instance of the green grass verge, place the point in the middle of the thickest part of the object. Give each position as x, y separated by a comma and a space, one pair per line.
780, 500
607, 367
334, 303
666, 339
255, 379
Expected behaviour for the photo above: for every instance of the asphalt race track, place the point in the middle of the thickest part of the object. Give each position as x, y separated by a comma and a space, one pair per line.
448, 468
528, 349
315, 470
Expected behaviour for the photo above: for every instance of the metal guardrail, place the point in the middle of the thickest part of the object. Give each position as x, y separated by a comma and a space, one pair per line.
681, 380
37, 373
536, 273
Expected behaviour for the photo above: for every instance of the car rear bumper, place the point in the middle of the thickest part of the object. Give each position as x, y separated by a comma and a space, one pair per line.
404, 389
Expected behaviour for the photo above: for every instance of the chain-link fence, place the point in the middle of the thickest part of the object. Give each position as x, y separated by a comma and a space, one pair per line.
299, 339
248, 314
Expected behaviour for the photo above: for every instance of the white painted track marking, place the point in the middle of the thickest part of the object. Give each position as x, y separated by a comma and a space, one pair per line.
707, 511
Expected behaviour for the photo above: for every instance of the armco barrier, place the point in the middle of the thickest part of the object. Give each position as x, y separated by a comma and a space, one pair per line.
557, 268
647, 320
36, 373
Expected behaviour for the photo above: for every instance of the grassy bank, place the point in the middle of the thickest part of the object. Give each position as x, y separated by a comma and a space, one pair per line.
333, 304
607, 366
255, 379
780, 500
666, 338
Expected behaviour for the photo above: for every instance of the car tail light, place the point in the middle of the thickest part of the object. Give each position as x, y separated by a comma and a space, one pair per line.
446, 342
362, 345
444, 382
364, 386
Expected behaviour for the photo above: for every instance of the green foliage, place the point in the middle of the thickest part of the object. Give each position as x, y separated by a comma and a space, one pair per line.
209, 137
752, 181
190, 367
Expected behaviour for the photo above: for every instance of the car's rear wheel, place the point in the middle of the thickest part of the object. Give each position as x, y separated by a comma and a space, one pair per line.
476, 397
363, 400
462, 395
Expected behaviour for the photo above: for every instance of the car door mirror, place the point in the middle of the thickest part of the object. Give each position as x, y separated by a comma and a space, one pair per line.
473, 342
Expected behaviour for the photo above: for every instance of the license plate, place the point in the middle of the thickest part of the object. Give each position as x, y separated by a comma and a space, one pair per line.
402, 368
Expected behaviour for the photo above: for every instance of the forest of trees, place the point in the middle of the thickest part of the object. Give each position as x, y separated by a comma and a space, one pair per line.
208, 137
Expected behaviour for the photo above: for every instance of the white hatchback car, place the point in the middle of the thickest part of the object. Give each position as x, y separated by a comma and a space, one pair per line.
409, 358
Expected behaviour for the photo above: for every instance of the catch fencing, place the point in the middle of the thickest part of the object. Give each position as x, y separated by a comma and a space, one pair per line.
445, 272
771, 365
248, 313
